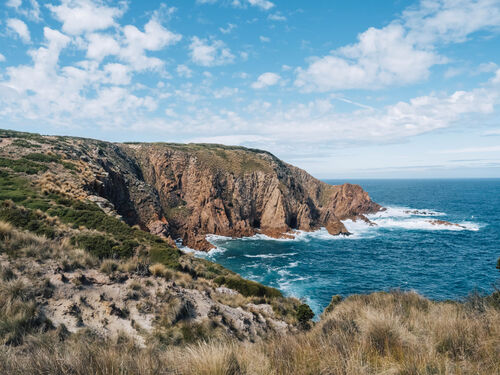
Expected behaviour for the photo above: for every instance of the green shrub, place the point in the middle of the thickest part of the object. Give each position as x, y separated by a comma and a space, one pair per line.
23, 165
25, 144
304, 314
97, 245
163, 254
103, 246
247, 287
43, 158
25, 219
90, 216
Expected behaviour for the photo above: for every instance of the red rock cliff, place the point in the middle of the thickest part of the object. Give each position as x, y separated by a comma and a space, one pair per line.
188, 191
233, 191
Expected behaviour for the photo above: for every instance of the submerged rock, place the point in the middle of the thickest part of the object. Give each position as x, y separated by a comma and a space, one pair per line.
445, 223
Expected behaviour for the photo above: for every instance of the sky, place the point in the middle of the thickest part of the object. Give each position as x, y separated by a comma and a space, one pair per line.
343, 89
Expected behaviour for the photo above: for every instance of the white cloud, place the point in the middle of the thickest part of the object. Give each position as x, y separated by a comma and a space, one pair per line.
228, 29
14, 3
472, 150
276, 17
241, 75
210, 53
244, 55
154, 38
20, 28
241, 139
101, 45
82, 16
225, 92
264, 39
117, 74
2, 58
262, 4
496, 78
450, 21
453, 72
266, 79
184, 71
69, 95
31, 11
492, 132
487, 67
131, 47
402, 52
317, 125
381, 57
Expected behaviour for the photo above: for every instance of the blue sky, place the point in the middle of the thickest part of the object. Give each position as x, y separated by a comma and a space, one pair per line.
344, 89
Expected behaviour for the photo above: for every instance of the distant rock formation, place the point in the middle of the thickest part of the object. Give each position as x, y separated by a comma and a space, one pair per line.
188, 191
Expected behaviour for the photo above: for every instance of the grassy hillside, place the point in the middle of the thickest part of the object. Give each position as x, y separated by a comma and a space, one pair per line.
382, 333
53, 231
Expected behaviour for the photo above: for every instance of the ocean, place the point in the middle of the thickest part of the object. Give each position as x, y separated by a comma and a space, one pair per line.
403, 251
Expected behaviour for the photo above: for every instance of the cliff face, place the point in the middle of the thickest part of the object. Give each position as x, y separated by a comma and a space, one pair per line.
189, 191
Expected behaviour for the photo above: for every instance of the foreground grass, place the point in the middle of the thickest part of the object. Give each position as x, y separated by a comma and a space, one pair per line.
381, 333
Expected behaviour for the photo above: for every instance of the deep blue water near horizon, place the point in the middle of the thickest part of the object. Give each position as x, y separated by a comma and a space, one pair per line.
403, 251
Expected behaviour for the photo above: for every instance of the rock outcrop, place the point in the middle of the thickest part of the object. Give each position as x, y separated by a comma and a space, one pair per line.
188, 191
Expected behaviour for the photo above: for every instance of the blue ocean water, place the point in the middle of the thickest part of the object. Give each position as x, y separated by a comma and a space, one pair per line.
403, 251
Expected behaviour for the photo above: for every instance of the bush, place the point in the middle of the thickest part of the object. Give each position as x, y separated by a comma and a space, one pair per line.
25, 144
43, 158
247, 287
23, 165
162, 253
25, 219
304, 314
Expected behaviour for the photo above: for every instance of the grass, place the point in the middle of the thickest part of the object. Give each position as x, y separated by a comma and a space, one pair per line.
370, 334
237, 160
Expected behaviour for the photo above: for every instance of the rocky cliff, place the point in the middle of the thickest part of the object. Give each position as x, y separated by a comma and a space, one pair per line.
188, 191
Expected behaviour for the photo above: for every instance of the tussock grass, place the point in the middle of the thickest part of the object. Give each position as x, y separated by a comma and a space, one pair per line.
381, 333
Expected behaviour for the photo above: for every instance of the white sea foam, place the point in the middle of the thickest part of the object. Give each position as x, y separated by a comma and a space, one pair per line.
392, 218
406, 218
286, 255
425, 224
203, 254
400, 211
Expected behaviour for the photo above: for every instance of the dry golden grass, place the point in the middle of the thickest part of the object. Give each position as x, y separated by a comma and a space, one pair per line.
381, 333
